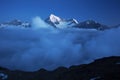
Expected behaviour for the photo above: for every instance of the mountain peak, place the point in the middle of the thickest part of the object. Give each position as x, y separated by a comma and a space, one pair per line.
53, 18
52, 15
58, 22
75, 21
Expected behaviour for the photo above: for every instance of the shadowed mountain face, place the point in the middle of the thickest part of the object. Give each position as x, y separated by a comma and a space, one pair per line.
90, 24
102, 69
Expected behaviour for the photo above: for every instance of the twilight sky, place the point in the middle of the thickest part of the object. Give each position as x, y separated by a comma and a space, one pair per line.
104, 11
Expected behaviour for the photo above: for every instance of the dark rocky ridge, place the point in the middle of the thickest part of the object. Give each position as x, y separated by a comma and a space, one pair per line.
90, 24
107, 68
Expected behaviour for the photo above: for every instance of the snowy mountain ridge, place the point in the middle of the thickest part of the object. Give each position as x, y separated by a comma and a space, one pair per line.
60, 23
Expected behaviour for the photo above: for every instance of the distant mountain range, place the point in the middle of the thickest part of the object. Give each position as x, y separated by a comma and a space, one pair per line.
15, 23
58, 22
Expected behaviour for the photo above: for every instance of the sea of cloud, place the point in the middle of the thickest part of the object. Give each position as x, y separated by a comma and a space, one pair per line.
42, 46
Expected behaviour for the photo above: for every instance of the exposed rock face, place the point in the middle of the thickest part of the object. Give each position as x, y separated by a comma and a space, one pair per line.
102, 69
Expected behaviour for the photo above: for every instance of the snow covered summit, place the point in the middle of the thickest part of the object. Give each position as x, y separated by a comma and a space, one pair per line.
54, 19
58, 22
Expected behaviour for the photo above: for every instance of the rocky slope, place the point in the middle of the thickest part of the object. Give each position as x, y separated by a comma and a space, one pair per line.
107, 68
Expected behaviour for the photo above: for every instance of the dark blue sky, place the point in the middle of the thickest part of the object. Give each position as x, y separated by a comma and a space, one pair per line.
104, 11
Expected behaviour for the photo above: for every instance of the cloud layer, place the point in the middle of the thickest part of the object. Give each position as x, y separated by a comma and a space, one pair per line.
43, 47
